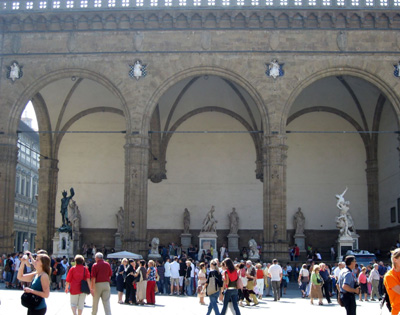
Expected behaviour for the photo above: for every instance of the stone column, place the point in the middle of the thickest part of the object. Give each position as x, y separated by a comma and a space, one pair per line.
274, 158
47, 193
136, 174
8, 164
373, 194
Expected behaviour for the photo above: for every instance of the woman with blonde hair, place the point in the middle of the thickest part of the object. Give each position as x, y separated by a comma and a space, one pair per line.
75, 275
39, 278
392, 282
202, 280
120, 279
316, 284
151, 283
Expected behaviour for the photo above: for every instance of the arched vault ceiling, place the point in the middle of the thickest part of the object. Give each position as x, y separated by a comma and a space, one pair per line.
66, 98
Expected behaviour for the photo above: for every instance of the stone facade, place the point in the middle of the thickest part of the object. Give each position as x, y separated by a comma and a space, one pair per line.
232, 45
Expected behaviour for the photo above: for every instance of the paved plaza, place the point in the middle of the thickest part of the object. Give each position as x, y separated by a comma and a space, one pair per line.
291, 303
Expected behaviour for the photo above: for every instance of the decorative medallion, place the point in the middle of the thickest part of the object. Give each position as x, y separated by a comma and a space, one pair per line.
274, 69
137, 70
14, 71
396, 71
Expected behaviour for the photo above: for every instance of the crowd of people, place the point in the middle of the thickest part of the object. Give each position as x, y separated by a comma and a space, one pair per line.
243, 283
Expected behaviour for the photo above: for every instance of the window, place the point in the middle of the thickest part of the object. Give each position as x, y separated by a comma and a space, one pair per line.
297, 2
326, 2
283, 2
255, 2
28, 188
182, 3
241, 2
355, 3
139, 3
384, 3
97, 3
269, 2
42, 5
125, 3
29, 5
15, 6
17, 183
197, 3
312, 2
56, 4
369, 3
225, 2
396, 3
211, 2
168, 3
153, 3
23, 186
111, 3
84, 3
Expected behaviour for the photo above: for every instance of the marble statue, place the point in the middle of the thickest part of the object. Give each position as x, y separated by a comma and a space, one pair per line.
120, 220
253, 250
209, 223
154, 245
299, 221
75, 216
233, 222
186, 221
344, 222
64, 206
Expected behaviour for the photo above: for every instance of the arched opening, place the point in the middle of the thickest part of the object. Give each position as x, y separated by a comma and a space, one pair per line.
206, 149
337, 137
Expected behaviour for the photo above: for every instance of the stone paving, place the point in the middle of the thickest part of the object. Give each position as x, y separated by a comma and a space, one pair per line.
291, 303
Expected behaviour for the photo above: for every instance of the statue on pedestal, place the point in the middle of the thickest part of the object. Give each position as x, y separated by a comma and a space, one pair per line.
75, 217
233, 222
66, 224
209, 223
253, 250
154, 246
344, 222
186, 221
299, 221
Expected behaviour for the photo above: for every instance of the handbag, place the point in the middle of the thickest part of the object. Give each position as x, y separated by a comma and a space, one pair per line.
31, 301
211, 287
84, 284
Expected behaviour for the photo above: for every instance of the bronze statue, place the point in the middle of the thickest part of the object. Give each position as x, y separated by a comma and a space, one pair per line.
64, 206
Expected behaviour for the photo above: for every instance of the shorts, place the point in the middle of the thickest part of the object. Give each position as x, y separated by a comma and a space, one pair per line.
78, 300
175, 281
364, 288
181, 281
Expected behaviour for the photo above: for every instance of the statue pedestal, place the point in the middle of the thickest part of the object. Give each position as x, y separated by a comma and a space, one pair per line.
345, 243
63, 245
206, 241
300, 240
186, 240
117, 242
154, 257
233, 244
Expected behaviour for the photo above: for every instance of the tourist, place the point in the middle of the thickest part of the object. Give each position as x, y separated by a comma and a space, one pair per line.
121, 274
73, 284
327, 281
167, 276
200, 285
285, 280
130, 286
392, 282
347, 285
188, 278
374, 280
362, 281
217, 282
260, 280
100, 284
39, 278
267, 280
382, 271
243, 293
174, 268
141, 285
161, 277
275, 273
151, 283
64, 271
251, 275
316, 284
230, 284
304, 278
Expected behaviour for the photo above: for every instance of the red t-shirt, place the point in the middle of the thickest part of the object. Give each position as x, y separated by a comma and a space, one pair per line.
75, 276
260, 274
101, 271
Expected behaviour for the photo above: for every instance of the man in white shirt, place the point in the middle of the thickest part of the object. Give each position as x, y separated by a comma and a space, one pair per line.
374, 280
174, 267
275, 273
167, 276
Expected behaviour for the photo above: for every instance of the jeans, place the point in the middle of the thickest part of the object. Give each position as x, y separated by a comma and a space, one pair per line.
189, 287
160, 285
231, 296
167, 285
213, 303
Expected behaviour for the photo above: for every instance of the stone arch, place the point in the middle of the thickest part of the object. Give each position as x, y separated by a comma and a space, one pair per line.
199, 71
34, 88
340, 71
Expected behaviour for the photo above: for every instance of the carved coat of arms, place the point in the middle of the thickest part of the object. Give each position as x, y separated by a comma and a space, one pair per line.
396, 71
274, 69
137, 70
14, 71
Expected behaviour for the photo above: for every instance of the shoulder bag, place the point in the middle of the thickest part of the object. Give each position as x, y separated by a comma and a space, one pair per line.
84, 284
212, 286
31, 301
